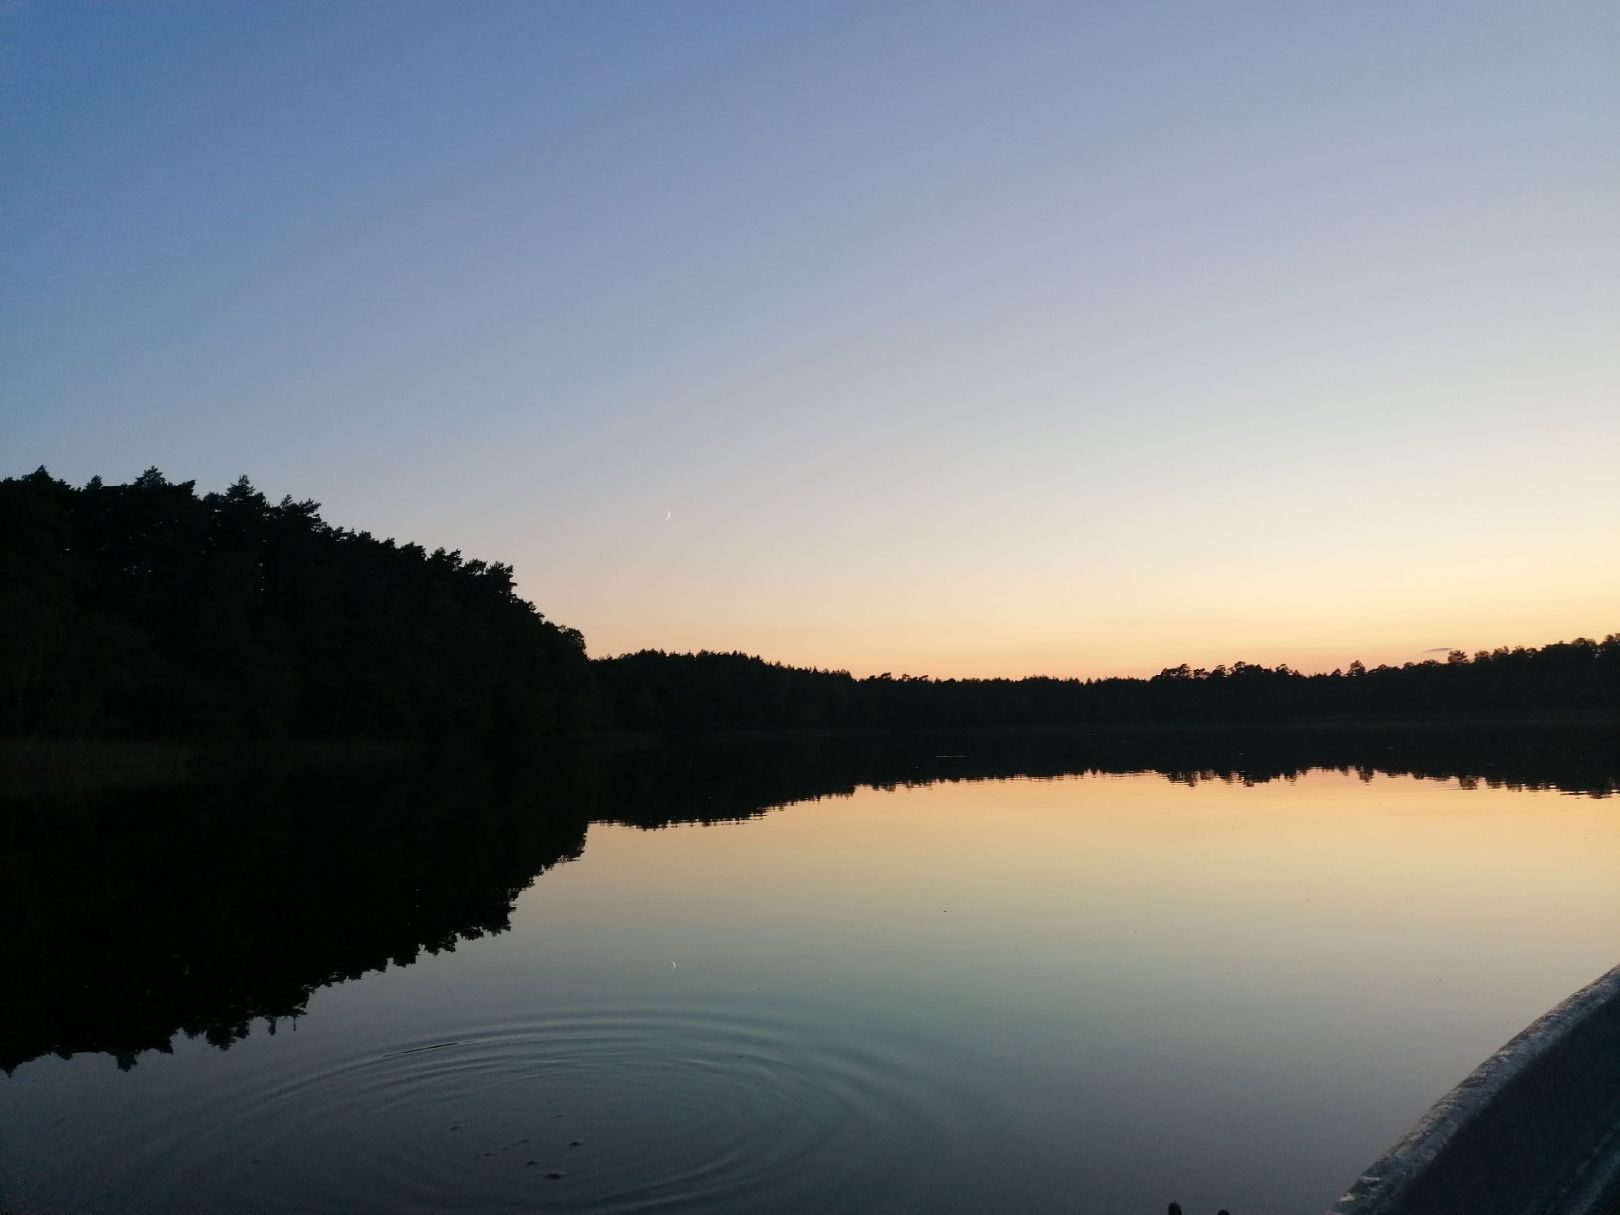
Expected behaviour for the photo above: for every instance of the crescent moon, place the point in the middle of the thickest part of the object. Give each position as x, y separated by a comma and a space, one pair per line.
667, 515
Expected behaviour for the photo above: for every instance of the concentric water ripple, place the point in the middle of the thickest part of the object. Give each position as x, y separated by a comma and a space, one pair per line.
606, 1110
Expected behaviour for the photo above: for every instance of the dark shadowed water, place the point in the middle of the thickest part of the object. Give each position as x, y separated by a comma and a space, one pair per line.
1137, 977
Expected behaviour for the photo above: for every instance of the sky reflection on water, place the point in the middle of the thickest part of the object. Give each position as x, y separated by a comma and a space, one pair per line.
1095, 991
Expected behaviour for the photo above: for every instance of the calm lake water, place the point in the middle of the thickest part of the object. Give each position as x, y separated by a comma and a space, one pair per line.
1094, 991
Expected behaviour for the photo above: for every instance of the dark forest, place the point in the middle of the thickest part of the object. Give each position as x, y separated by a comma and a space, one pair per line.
147, 610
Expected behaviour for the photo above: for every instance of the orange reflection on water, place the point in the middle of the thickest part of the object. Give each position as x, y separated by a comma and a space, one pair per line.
1285, 882
1318, 960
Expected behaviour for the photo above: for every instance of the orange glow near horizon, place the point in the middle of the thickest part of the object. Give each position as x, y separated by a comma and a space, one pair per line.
990, 340
947, 601
1143, 658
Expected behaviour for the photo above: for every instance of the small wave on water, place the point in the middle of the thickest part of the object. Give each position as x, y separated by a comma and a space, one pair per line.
603, 1110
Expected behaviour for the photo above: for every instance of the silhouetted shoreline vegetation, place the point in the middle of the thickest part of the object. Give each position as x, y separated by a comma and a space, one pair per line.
659, 693
147, 611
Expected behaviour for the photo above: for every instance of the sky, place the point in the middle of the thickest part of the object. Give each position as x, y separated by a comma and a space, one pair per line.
955, 339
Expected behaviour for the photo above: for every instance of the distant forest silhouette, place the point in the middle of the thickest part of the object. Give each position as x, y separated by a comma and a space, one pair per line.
147, 610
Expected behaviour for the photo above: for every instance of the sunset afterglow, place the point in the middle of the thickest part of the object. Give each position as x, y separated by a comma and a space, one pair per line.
951, 340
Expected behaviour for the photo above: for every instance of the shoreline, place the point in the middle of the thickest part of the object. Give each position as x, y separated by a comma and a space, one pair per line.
36, 767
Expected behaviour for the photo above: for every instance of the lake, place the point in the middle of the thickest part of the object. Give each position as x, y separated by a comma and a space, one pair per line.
949, 975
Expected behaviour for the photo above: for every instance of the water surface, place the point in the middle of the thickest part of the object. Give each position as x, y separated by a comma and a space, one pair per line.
1095, 991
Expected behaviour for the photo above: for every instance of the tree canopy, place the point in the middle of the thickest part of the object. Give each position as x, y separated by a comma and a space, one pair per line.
149, 610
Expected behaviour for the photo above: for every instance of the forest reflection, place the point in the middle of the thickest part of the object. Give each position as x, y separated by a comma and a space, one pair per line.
210, 908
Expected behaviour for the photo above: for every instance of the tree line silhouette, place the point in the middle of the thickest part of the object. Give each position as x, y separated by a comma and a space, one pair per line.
146, 610
662, 693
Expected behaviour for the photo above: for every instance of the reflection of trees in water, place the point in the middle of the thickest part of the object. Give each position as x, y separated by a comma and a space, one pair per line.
198, 910
727, 779
124, 920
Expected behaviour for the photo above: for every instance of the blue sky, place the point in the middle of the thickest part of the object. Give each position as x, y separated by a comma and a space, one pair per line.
955, 339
